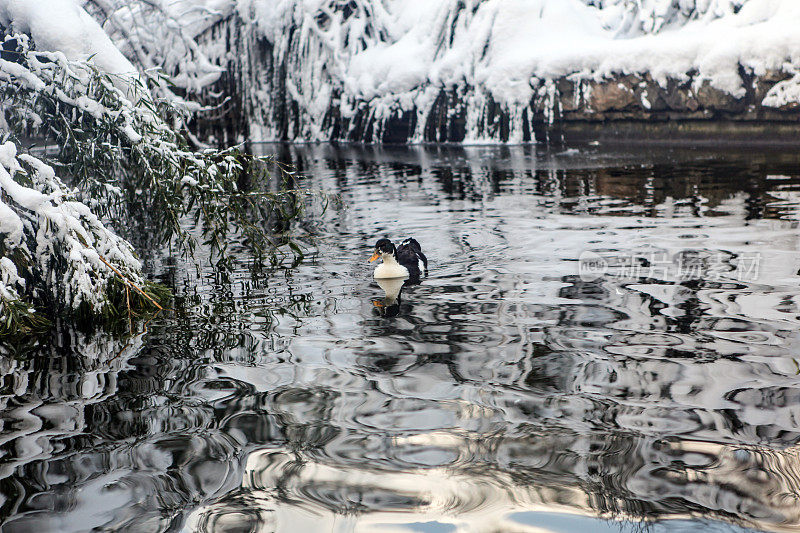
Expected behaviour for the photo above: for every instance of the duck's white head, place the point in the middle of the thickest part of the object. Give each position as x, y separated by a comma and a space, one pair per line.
385, 250
389, 268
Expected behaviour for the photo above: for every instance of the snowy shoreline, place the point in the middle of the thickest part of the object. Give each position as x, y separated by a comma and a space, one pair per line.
491, 71
464, 71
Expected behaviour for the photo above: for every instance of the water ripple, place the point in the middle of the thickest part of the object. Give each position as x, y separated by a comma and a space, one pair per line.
509, 390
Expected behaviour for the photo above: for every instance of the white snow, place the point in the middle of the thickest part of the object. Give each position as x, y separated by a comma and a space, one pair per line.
46, 218
64, 26
392, 56
161, 37
389, 53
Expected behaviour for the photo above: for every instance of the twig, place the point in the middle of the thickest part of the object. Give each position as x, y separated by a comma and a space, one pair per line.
129, 282
128, 298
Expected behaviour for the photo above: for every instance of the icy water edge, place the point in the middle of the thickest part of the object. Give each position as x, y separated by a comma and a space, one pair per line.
607, 342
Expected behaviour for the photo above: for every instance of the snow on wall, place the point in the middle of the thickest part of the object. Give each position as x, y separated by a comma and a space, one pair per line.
347, 62
477, 70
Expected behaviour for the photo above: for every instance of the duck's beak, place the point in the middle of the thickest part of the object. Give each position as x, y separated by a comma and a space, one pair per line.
375, 255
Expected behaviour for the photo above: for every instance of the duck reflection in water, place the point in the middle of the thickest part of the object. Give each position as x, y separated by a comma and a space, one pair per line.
390, 305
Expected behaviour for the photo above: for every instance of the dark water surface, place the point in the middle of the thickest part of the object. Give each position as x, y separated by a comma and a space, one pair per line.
608, 341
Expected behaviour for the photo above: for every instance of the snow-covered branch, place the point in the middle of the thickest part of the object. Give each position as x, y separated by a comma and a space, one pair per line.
161, 37
110, 137
55, 250
120, 146
630, 18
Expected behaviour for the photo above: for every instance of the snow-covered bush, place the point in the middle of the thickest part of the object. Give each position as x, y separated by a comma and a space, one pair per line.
119, 146
112, 135
55, 251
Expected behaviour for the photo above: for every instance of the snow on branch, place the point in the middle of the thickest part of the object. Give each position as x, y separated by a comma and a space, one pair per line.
113, 134
121, 149
55, 250
642, 17
162, 37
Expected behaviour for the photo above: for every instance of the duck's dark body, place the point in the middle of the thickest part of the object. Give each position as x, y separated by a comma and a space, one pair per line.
409, 254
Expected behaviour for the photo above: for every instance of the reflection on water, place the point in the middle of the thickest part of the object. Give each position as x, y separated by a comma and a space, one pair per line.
392, 288
605, 341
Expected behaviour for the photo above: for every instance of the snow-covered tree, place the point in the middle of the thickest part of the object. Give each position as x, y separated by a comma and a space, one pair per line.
158, 36
63, 78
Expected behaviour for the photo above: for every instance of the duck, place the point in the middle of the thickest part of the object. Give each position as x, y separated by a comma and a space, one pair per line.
405, 261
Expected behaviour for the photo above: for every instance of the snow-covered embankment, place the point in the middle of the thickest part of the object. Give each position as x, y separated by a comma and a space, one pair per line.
509, 70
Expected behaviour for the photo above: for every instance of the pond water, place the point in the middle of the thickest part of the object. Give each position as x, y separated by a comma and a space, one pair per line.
607, 341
